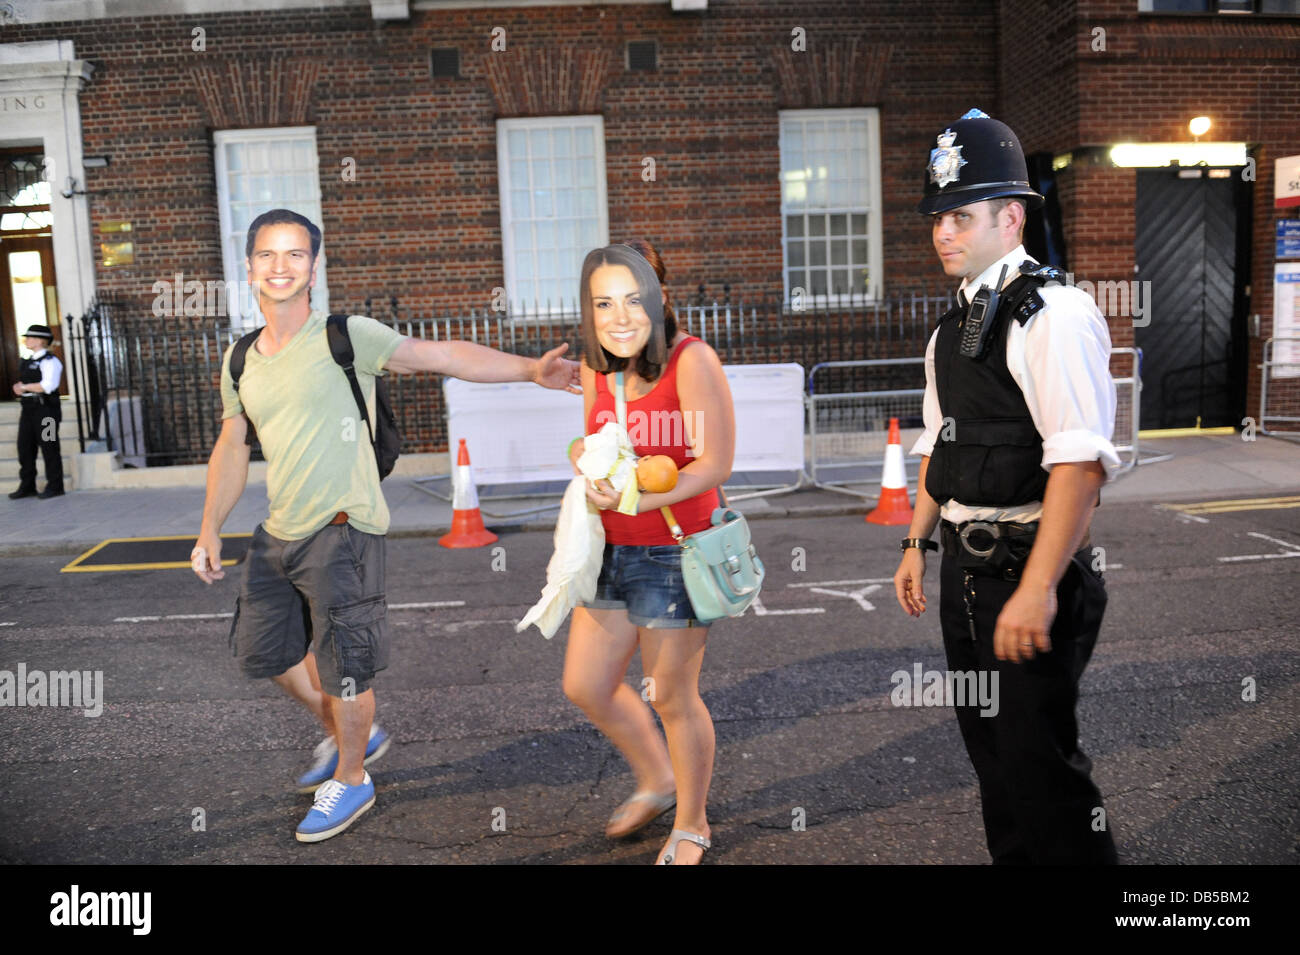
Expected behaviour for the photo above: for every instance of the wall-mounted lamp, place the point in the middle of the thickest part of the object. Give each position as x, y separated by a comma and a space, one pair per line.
1199, 126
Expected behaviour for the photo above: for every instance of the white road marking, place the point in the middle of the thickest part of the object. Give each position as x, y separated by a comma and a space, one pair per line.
224, 616
8, 623
838, 583
761, 611
1291, 550
858, 596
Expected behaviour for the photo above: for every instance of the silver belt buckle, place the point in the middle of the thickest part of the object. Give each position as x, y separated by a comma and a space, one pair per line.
992, 529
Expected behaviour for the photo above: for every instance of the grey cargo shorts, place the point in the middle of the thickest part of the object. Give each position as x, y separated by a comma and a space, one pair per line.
324, 593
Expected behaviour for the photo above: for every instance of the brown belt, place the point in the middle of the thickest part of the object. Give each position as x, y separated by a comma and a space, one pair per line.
340, 518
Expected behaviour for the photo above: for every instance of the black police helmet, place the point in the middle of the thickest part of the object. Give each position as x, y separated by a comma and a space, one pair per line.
973, 159
39, 331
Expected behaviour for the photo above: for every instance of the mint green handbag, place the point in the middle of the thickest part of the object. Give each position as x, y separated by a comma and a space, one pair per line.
721, 569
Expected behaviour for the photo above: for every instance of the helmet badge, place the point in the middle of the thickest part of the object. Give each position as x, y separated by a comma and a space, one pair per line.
945, 161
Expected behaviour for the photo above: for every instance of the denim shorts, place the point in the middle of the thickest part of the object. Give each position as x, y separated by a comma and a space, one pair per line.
647, 583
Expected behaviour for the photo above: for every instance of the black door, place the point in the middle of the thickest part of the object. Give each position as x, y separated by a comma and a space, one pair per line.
1193, 247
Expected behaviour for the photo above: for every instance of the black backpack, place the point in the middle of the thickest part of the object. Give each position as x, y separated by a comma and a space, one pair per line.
384, 436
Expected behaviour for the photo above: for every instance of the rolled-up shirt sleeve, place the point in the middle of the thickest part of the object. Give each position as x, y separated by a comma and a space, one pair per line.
1062, 363
930, 413
51, 375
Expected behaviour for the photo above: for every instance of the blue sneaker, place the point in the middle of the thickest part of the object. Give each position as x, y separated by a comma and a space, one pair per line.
337, 806
325, 759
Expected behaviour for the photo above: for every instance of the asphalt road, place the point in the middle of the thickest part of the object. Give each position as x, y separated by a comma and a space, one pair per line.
1191, 772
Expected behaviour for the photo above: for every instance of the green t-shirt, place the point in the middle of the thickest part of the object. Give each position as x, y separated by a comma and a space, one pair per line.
318, 453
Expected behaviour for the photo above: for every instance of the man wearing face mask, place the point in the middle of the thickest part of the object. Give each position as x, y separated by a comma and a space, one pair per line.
1019, 412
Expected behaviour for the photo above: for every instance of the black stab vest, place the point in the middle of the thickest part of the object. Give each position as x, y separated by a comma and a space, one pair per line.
29, 373
990, 454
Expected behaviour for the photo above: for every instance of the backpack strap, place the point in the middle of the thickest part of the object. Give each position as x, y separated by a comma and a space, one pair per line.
237, 356
336, 330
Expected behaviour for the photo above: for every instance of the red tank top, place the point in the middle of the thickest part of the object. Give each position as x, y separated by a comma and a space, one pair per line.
656, 425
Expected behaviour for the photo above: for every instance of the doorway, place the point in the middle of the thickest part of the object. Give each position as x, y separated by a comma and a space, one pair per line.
28, 291
1193, 231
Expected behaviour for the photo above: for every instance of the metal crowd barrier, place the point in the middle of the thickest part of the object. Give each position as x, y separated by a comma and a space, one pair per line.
848, 431
1288, 395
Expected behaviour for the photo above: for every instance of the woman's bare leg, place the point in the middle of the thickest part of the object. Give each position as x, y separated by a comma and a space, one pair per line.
672, 658
601, 644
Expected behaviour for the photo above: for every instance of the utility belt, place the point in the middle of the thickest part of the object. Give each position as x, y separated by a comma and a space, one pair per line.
993, 548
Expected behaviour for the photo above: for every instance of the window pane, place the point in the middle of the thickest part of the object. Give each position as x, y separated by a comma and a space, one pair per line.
795, 254
543, 205
839, 252
585, 170
839, 224
566, 230
817, 253
798, 280
545, 234
840, 281
565, 203
794, 226
540, 142
816, 225
523, 235
234, 156
518, 174
586, 202
859, 223
524, 270
563, 142
859, 251
521, 202
238, 188
818, 282
590, 231
583, 141
541, 175
518, 139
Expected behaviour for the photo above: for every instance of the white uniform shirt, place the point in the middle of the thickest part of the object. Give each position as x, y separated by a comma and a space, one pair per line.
1060, 358
51, 372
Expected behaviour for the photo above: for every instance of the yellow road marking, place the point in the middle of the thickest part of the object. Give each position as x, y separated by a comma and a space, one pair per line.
77, 566
1240, 504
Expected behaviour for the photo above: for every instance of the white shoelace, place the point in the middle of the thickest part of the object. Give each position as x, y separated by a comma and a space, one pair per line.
328, 796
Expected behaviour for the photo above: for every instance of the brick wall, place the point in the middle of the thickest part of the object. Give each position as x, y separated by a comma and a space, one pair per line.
1154, 74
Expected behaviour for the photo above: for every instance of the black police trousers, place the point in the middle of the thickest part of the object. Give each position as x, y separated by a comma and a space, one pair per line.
1039, 802
39, 418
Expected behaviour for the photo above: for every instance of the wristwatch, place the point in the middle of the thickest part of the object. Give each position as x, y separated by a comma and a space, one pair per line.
922, 542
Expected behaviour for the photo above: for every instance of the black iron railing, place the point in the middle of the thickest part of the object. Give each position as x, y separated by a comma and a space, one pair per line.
148, 388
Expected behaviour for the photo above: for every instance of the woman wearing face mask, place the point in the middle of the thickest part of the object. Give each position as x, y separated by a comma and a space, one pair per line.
679, 405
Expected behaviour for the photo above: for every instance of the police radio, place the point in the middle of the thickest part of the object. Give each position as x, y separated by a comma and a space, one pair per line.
978, 323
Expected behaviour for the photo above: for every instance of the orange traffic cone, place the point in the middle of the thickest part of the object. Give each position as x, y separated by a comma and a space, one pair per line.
894, 507
467, 528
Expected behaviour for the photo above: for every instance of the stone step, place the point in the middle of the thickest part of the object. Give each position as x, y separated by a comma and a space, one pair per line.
9, 473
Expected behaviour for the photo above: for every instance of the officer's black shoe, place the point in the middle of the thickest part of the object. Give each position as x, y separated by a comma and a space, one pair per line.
49, 492
22, 492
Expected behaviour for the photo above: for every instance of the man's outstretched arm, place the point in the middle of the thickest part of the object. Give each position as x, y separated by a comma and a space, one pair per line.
472, 362
227, 475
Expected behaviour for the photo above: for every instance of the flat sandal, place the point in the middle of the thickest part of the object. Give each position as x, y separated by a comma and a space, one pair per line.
680, 835
657, 805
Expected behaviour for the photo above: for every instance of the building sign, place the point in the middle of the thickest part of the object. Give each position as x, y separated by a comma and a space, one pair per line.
1286, 320
1288, 238
1286, 182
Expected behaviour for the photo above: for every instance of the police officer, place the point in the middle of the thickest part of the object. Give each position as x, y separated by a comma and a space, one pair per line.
38, 425
1019, 412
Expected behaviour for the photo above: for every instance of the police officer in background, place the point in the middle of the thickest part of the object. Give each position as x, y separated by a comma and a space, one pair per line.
38, 425
1019, 413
